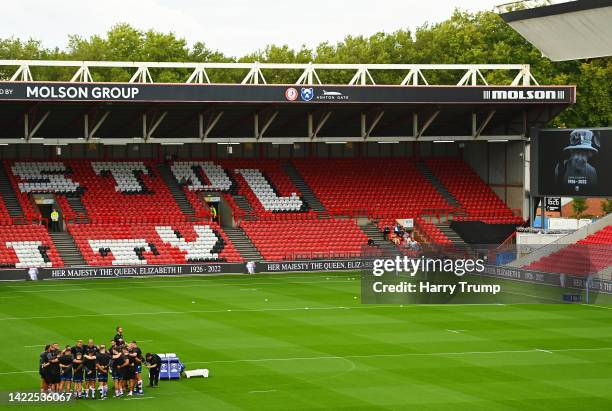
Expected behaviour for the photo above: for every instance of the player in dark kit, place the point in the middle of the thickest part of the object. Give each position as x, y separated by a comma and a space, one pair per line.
65, 362
136, 352
42, 368
123, 363
115, 353
154, 366
78, 348
119, 340
89, 366
129, 371
77, 374
53, 368
103, 360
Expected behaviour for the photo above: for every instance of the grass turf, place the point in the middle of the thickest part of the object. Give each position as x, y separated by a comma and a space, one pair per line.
266, 350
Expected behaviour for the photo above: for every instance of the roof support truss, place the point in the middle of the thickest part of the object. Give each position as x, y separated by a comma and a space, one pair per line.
364, 73
31, 128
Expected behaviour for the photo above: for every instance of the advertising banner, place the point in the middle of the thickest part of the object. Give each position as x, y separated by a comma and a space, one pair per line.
273, 93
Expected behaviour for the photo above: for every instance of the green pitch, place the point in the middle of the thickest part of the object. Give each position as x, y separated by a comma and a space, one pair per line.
304, 341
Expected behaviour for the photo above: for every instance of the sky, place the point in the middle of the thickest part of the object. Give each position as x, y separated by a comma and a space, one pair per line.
235, 27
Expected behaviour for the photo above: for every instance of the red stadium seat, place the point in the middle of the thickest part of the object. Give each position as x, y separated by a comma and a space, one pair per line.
295, 239
588, 256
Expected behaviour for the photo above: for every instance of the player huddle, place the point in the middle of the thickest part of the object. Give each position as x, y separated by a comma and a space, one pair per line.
78, 368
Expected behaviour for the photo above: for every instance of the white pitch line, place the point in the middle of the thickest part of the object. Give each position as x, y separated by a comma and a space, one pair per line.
198, 279
347, 357
139, 398
17, 372
202, 284
357, 307
260, 391
338, 357
168, 312
598, 306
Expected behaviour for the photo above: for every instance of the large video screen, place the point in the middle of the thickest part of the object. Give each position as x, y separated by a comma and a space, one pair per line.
575, 162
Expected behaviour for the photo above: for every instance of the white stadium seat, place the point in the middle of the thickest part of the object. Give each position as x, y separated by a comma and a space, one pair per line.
266, 195
184, 171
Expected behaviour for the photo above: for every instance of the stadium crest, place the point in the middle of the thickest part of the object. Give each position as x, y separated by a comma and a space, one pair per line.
307, 93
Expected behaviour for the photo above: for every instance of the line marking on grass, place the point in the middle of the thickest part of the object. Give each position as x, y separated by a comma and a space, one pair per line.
357, 307
161, 279
260, 391
173, 312
139, 398
357, 356
598, 306
456, 331
339, 357
43, 288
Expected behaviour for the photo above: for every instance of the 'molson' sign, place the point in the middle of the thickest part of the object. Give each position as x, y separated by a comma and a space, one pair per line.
515, 95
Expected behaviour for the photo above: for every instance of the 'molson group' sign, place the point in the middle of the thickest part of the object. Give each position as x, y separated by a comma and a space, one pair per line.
277, 93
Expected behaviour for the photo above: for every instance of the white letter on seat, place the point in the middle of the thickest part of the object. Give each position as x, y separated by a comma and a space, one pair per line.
28, 254
219, 181
123, 173
122, 250
264, 193
42, 177
199, 249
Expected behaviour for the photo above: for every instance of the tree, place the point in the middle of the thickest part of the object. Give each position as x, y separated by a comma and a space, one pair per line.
606, 206
579, 206
481, 37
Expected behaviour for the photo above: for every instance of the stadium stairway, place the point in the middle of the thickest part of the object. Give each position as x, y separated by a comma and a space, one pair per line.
245, 206
243, 244
452, 235
8, 195
78, 207
373, 232
429, 175
67, 248
307, 195
176, 190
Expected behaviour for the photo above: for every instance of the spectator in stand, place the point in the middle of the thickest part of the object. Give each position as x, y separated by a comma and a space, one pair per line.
386, 232
54, 220
397, 229
213, 213
406, 239
414, 245
396, 239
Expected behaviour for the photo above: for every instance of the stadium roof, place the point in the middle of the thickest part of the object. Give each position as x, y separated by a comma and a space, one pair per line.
565, 31
80, 110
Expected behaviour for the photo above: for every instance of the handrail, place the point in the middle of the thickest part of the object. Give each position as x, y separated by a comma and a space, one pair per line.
507, 241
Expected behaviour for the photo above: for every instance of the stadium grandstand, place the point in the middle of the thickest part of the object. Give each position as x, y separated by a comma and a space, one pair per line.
278, 235
145, 173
